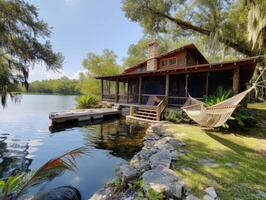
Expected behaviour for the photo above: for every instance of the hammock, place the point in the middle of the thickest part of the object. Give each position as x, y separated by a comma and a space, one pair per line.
218, 114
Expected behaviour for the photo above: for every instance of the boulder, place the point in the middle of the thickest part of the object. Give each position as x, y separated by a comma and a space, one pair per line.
161, 159
175, 154
141, 165
192, 197
60, 193
176, 143
163, 180
127, 173
103, 194
211, 192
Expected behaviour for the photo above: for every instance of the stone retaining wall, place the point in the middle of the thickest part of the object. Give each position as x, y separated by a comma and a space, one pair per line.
149, 173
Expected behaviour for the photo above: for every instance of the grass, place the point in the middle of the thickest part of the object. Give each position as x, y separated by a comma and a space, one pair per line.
241, 159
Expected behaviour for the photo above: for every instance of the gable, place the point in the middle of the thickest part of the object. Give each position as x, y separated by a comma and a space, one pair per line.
187, 55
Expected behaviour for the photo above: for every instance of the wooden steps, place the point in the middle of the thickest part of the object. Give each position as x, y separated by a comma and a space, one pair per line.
144, 113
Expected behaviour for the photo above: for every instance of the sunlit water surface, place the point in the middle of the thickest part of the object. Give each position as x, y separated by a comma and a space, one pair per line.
26, 143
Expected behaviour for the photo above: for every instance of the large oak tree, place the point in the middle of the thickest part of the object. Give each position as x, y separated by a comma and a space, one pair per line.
23, 43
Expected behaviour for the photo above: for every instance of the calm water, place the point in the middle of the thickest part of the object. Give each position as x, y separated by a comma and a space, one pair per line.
26, 143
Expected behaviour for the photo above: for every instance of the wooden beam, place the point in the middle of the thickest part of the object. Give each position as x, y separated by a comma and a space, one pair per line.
102, 88
207, 84
127, 90
116, 91
140, 87
236, 80
167, 77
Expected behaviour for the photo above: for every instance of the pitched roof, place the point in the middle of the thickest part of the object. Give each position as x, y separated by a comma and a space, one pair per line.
190, 46
247, 66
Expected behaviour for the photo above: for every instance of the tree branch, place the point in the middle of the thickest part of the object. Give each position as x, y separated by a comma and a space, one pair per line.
189, 26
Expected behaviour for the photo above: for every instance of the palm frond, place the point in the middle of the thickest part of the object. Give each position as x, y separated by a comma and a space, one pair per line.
20, 183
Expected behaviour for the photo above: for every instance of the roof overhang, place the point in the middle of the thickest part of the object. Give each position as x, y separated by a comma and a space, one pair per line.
247, 67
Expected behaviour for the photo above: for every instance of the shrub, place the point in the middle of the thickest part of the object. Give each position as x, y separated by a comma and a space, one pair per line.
241, 118
88, 101
219, 96
176, 115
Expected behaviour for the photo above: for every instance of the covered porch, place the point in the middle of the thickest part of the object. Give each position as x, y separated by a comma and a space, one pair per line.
174, 87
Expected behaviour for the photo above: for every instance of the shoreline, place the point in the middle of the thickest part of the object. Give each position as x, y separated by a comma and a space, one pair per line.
149, 173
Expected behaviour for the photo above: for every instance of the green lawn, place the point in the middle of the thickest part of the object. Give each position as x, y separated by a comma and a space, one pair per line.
240, 159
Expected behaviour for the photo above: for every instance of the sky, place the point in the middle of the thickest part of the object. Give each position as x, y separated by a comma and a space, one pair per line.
82, 26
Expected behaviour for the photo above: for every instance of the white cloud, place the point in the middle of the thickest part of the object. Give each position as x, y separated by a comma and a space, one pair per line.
40, 73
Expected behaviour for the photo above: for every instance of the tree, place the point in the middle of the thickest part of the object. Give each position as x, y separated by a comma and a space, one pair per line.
219, 20
21, 31
98, 65
138, 52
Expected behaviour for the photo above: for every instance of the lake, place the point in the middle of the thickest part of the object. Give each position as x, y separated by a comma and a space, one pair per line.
27, 142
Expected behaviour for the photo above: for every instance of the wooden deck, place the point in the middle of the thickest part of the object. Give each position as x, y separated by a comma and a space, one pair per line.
82, 114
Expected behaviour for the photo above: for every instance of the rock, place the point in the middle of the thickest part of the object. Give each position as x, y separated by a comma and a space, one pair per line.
208, 162
127, 173
141, 165
175, 154
60, 193
162, 146
176, 143
152, 137
207, 197
261, 194
192, 197
103, 194
163, 180
211, 192
161, 159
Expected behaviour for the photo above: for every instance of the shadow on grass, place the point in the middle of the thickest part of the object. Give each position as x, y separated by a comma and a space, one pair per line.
242, 179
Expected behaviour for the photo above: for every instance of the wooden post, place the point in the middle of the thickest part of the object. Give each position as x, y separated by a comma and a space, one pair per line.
207, 84
116, 91
127, 90
102, 88
140, 87
186, 86
236, 80
131, 111
167, 87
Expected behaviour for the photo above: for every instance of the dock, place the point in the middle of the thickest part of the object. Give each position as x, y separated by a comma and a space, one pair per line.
82, 115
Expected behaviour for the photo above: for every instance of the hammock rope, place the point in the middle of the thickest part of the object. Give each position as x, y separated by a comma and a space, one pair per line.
216, 115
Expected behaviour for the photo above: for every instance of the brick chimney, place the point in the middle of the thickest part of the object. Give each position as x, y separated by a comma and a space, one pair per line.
153, 52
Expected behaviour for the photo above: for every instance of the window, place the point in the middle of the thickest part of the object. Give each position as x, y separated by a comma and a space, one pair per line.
168, 62
172, 61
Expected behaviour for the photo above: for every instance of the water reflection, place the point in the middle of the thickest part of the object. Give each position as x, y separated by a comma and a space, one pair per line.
121, 139
13, 156
26, 143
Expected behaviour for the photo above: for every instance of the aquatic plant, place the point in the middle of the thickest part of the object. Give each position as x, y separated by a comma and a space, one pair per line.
15, 186
88, 101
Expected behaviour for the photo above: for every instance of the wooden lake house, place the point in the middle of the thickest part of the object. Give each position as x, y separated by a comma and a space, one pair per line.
166, 80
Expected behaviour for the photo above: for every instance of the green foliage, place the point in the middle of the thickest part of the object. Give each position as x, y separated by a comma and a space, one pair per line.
98, 65
242, 118
17, 185
176, 115
20, 48
223, 22
88, 101
219, 96
155, 195
62, 85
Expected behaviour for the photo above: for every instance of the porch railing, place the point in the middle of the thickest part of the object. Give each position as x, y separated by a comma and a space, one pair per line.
160, 108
